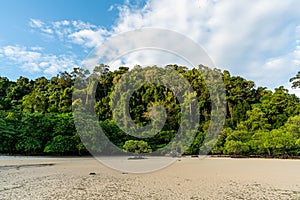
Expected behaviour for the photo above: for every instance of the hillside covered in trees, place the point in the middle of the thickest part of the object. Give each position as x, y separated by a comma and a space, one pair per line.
36, 116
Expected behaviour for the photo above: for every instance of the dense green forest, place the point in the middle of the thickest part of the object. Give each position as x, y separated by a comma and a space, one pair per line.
36, 116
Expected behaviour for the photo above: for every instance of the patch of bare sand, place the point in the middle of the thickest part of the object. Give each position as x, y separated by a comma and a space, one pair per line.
187, 178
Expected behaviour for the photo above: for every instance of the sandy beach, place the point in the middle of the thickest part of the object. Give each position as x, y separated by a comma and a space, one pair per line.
186, 178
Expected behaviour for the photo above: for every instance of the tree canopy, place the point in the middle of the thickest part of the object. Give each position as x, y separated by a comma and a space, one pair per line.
36, 116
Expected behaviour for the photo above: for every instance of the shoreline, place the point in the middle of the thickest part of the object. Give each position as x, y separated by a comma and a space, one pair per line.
257, 156
186, 178
183, 156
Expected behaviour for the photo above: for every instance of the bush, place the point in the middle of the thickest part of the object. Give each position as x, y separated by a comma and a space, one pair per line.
61, 144
137, 146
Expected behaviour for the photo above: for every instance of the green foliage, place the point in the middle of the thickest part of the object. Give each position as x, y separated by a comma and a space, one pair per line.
295, 81
29, 145
36, 115
278, 142
256, 120
64, 125
235, 147
237, 142
61, 144
7, 135
219, 146
293, 126
137, 146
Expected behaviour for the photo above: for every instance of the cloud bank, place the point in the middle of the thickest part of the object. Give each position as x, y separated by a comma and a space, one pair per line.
258, 39
255, 39
33, 60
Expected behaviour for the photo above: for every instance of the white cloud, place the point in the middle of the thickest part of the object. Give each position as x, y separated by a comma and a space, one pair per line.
34, 60
37, 48
54, 64
58, 24
148, 57
76, 32
255, 39
47, 30
38, 24
80, 25
88, 38
31, 67
111, 8
35, 23
20, 54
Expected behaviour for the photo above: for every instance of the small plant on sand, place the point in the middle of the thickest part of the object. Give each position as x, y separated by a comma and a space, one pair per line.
137, 147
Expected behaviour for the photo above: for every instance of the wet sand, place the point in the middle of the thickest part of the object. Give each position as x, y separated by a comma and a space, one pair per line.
187, 178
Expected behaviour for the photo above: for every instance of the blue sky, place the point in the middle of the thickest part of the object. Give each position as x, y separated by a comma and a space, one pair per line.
259, 39
16, 17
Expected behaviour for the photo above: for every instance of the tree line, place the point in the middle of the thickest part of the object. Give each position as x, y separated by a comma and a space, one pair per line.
36, 116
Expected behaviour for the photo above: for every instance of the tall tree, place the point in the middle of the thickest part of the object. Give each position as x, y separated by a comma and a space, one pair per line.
295, 81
